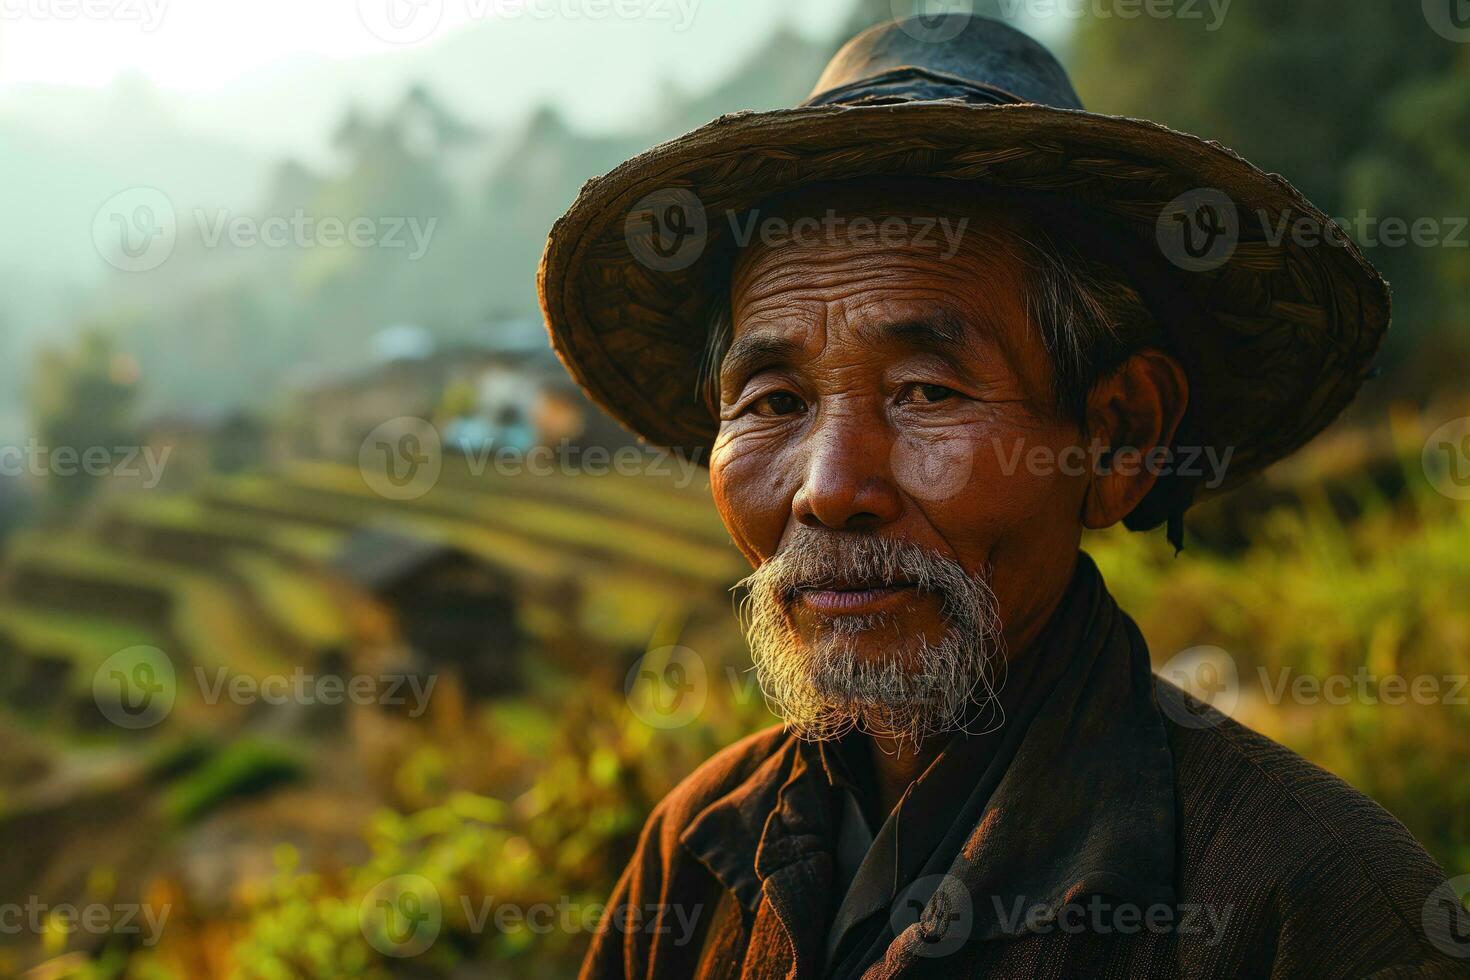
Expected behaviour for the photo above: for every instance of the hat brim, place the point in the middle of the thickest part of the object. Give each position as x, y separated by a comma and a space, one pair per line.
1288, 324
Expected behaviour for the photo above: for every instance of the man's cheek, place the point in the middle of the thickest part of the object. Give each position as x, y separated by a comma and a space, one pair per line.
934, 465
752, 493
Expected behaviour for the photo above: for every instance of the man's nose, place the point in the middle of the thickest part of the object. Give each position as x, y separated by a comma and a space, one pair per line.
848, 484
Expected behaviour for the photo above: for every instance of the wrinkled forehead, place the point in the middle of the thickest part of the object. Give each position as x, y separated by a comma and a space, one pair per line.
883, 250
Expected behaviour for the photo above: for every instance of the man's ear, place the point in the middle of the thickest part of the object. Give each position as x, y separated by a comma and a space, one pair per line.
1133, 411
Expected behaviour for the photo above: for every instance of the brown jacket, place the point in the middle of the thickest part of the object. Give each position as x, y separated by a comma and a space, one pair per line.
1134, 833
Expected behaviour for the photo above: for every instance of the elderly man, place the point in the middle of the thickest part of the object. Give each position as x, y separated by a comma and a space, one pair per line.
930, 326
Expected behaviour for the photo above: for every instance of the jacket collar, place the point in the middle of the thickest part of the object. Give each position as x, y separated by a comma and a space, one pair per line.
1086, 805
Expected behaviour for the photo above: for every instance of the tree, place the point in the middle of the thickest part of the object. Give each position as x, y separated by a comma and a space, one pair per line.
81, 400
1362, 106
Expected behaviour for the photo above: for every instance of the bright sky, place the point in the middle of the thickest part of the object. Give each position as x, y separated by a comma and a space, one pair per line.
199, 45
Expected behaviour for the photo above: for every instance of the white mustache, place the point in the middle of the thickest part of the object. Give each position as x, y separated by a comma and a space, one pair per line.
824, 686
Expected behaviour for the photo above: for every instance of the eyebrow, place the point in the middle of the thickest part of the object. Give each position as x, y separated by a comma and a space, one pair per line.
754, 352
940, 332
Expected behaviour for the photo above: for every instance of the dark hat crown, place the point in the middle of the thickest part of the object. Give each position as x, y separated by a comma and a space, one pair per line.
944, 56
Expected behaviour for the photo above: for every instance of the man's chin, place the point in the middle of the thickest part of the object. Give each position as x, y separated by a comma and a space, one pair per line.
875, 638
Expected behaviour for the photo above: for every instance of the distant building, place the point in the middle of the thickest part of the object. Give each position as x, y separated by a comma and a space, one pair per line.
506, 391
451, 608
205, 441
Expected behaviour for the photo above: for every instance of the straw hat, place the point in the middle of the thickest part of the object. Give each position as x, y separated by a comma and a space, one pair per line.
1276, 332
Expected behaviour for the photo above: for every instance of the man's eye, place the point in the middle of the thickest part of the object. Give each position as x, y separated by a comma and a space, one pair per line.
930, 393
778, 403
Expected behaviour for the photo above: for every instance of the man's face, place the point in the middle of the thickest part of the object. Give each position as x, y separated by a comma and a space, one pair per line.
882, 393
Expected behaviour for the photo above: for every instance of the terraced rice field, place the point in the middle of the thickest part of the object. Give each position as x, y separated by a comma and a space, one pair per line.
239, 573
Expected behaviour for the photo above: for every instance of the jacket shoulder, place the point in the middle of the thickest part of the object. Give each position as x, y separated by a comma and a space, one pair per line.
715, 777
1258, 819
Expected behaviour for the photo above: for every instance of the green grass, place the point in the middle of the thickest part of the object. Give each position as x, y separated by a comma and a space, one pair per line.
214, 629
298, 601
242, 768
85, 640
552, 524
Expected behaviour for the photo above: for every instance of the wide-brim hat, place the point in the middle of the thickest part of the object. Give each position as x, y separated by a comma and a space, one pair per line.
1273, 312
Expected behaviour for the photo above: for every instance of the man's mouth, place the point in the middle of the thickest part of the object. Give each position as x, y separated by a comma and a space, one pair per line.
854, 598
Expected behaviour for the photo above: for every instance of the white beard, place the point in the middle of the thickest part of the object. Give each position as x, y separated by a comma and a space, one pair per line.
826, 687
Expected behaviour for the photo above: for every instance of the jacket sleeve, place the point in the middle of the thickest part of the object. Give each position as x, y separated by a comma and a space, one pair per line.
620, 945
